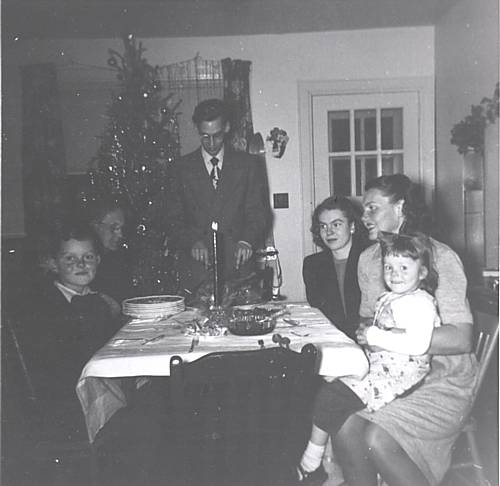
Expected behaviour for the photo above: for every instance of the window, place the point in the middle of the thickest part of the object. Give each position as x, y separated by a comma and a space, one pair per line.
359, 137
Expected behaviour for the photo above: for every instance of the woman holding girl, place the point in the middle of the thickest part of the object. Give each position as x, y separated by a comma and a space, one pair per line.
395, 344
409, 440
330, 276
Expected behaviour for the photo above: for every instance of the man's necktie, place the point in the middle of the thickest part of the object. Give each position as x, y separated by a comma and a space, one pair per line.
215, 174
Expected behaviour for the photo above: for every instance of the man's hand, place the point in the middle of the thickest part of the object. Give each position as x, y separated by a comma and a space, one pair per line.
242, 253
200, 253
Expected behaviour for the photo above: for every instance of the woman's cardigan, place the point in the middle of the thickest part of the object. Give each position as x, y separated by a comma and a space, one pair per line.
322, 288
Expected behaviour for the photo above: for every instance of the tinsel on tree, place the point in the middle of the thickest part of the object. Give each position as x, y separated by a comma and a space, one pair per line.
139, 144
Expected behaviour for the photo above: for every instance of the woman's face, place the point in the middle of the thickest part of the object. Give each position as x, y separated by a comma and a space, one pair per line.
380, 214
110, 229
335, 230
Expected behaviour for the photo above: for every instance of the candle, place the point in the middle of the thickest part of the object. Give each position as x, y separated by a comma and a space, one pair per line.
215, 228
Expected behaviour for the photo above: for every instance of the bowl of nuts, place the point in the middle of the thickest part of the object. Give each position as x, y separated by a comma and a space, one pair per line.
252, 321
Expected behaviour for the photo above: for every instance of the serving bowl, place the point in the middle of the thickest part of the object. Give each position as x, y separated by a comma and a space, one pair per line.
251, 322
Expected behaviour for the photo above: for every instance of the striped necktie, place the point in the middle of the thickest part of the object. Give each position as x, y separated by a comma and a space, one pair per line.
215, 173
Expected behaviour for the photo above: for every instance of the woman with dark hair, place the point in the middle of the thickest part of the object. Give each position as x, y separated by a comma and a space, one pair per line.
409, 441
330, 276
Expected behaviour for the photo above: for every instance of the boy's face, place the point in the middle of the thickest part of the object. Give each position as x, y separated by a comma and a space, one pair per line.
76, 264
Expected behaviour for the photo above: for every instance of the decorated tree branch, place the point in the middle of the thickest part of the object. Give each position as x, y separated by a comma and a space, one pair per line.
137, 149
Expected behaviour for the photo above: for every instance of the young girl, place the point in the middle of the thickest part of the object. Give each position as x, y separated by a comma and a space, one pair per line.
395, 345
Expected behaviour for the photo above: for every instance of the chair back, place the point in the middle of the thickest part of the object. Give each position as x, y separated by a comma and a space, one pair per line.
239, 415
467, 462
37, 448
486, 340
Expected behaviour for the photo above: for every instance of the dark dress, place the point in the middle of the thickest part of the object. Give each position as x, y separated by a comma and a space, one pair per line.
114, 275
322, 288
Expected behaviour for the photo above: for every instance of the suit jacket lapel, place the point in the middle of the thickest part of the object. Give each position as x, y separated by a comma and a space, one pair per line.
229, 174
201, 178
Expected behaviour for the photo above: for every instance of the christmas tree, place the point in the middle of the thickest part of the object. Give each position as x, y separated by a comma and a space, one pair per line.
137, 149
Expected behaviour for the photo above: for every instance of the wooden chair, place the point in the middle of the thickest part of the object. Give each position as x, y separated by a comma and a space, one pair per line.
239, 417
33, 453
486, 333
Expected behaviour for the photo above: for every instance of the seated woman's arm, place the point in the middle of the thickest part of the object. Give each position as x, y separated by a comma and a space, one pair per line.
455, 335
312, 284
415, 315
452, 339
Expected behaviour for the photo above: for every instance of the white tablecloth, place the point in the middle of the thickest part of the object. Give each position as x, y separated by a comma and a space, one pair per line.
128, 355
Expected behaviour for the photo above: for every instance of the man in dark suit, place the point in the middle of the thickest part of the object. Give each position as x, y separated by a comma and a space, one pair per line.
217, 184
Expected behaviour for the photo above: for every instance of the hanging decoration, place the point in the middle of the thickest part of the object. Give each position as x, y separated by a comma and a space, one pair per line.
133, 162
278, 140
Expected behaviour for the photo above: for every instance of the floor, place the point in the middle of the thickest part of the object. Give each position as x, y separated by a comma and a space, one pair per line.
17, 471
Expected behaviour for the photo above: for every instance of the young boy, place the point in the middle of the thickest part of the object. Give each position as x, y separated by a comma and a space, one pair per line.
66, 322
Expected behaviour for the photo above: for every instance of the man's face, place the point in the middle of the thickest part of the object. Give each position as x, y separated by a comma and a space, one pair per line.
212, 135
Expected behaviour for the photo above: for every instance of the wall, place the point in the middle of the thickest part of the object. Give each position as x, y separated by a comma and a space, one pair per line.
278, 63
466, 71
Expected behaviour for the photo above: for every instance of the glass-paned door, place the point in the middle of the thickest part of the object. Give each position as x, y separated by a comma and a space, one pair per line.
357, 137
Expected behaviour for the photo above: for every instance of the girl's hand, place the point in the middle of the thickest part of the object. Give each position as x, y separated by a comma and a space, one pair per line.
361, 334
329, 379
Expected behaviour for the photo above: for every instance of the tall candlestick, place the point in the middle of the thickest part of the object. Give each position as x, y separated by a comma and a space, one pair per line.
215, 228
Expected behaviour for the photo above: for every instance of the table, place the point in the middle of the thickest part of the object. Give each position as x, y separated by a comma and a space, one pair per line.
134, 352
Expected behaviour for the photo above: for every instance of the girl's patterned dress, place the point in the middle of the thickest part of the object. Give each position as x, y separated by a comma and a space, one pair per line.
391, 373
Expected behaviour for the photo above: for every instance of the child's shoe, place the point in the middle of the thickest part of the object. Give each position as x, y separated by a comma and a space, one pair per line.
313, 478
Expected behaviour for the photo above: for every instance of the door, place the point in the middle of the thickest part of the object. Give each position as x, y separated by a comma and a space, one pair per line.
356, 137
